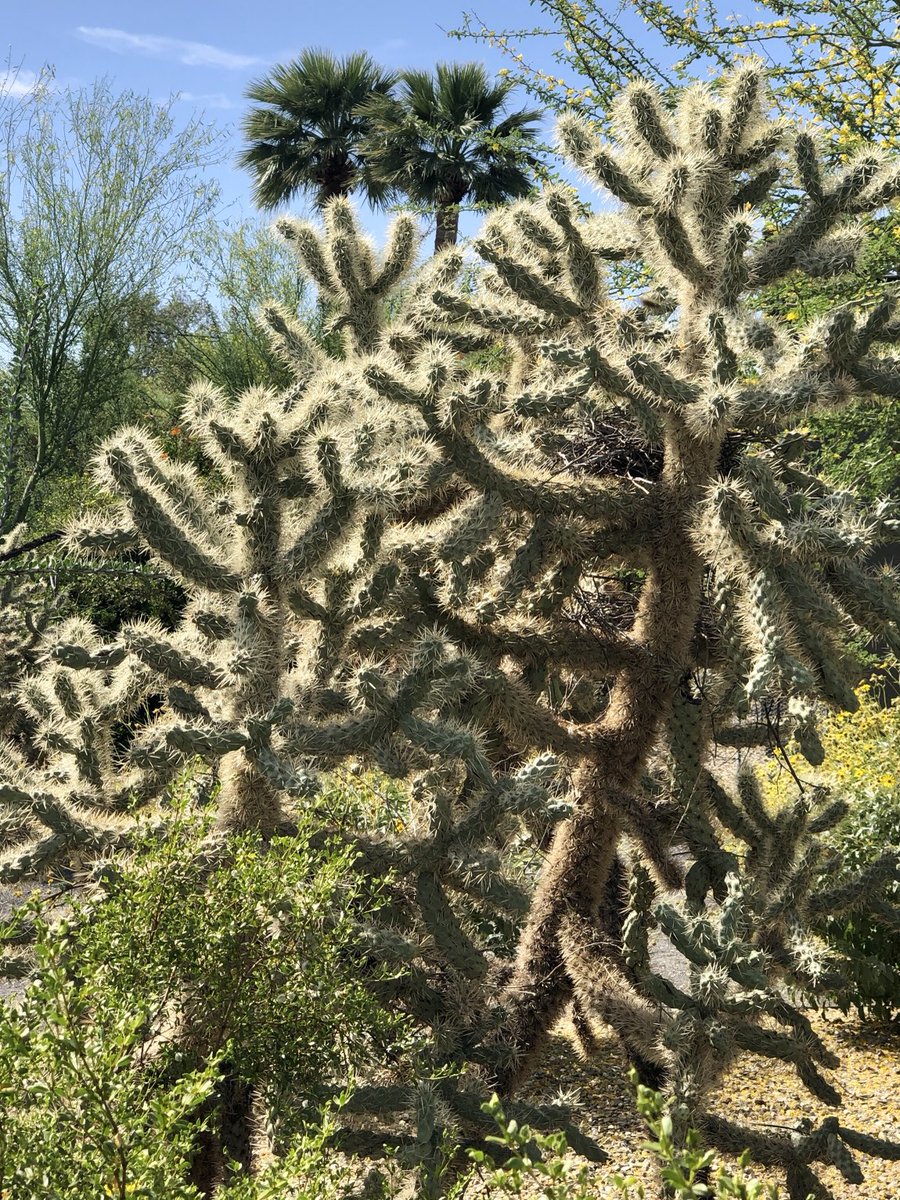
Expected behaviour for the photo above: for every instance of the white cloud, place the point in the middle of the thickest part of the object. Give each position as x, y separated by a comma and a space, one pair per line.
206, 99
18, 83
191, 54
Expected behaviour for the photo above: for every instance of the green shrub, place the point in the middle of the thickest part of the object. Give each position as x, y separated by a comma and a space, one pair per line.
308, 1171
262, 950
860, 448
534, 1163
528, 1158
180, 968
124, 592
106, 594
871, 946
861, 766
79, 1116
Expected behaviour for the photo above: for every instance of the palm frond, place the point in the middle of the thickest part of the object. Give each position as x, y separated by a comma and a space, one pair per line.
305, 131
445, 138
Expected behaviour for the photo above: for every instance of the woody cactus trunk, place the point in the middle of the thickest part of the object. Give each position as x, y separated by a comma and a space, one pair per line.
422, 559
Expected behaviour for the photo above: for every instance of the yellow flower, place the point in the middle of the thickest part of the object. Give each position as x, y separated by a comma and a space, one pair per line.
793, 315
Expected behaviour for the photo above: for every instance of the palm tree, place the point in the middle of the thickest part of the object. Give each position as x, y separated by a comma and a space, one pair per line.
445, 140
305, 134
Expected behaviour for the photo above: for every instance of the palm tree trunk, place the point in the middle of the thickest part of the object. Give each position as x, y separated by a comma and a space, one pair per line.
447, 225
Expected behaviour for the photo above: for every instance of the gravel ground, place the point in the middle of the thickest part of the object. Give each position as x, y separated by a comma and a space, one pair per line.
10, 898
757, 1091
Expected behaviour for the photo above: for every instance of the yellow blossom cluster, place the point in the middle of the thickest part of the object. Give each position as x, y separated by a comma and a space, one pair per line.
831, 61
862, 751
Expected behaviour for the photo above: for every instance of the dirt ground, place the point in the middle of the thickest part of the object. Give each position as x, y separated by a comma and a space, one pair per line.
757, 1091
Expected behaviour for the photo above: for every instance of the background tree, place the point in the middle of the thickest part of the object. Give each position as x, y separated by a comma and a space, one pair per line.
207, 327
101, 200
445, 140
307, 127
836, 62
157, 332
229, 346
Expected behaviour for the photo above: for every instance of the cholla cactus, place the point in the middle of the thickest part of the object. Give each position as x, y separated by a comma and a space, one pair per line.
25, 612
408, 566
747, 955
282, 665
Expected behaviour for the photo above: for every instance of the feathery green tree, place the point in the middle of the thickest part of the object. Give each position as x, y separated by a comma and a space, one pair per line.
101, 198
408, 566
831, 61
445, 140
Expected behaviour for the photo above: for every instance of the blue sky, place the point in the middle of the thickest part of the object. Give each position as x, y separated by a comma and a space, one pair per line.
208, 52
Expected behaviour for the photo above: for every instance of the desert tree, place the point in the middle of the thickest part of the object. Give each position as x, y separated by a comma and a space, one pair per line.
833, 62
98, 206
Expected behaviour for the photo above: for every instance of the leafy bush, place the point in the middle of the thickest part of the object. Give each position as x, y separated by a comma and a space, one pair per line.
862, 766
79, 1117
309, 1170
532, 1162
184, 967
122, 592
528, 1158
872, 948
106, 594
82, 1119
860, 448
864, 750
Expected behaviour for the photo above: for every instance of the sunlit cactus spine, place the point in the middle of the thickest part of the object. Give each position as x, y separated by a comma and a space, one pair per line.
746, 957
229, 675
26, 609
297, 562
753, 571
